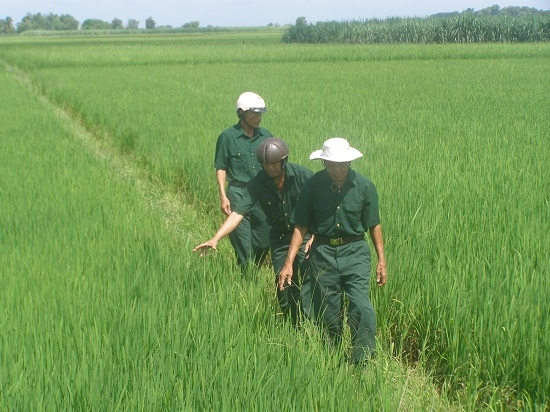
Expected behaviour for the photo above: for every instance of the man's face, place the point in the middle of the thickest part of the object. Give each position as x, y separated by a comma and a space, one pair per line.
273, 169
253, 118
337, 171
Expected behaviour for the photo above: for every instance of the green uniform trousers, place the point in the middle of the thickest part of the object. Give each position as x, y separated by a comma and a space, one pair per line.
296, 298
250, 239
339, 270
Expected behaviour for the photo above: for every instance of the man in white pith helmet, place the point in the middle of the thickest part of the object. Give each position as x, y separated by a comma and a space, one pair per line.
235, 162
338, 205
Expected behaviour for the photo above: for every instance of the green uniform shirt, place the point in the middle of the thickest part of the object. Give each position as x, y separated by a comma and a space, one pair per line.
236, 153
278, 208
350, 211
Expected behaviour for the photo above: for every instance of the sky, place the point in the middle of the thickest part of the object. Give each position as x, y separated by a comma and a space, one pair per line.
245, 13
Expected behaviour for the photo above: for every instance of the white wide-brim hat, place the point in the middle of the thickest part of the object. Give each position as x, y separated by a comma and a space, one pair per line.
337, 150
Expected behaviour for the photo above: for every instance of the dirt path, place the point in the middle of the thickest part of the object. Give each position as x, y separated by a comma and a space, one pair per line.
178, 216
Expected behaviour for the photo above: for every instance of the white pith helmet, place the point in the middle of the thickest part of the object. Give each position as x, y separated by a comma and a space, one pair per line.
251, 101
336, 150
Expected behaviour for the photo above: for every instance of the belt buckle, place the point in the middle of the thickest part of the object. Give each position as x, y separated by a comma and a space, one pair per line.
335, 242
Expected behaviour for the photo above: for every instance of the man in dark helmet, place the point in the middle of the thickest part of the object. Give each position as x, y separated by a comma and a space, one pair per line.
235, 163
275, 189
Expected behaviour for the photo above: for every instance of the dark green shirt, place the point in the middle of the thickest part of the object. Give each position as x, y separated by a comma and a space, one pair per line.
236, 153
352, 210
277, 207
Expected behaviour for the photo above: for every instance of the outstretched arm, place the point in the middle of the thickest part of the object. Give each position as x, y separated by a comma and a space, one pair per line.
226, 228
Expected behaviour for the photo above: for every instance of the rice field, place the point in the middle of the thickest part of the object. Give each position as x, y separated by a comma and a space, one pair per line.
105, 307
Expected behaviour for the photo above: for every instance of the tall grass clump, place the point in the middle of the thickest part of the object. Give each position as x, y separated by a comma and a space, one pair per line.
464, 28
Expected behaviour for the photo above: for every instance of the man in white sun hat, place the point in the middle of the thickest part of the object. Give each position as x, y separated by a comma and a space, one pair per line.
236, 163
338, 205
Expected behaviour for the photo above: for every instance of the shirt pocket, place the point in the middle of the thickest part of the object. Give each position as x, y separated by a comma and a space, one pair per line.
240, 163
352, 215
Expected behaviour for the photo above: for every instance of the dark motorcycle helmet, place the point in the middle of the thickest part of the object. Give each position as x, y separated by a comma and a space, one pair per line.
272, 150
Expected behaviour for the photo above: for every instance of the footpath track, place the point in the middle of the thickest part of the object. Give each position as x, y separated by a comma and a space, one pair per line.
173, 207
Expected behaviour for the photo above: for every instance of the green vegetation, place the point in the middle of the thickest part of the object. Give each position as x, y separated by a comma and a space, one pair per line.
107, 306
51, 22
467, 27
104, 308
491, 24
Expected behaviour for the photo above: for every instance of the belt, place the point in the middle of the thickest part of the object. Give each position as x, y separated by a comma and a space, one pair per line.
337, 241
236, 183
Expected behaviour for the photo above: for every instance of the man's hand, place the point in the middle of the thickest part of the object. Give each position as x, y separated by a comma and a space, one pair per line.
204, 247
285, 277
381, 274
225, 205
307, 247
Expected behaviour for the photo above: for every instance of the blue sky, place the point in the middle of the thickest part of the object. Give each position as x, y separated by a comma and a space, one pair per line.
248, 13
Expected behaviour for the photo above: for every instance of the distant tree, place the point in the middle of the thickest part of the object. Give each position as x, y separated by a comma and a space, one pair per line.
29, 22
9, 25
301, 22
509, 11
191, 25
446, 15
68, 22
95, 24
132, 24
6, 26
150, 23
51, 21
522, 11
490, 11
117, 24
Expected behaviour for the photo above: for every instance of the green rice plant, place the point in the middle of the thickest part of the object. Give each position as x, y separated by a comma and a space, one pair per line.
104, 307
454, 136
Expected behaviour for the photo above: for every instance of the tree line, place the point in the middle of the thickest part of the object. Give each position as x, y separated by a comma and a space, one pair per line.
495, 10
66, 22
